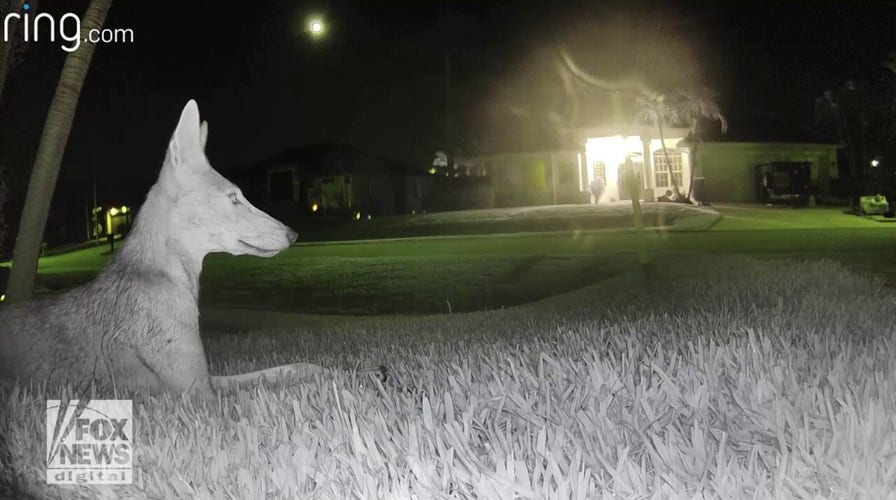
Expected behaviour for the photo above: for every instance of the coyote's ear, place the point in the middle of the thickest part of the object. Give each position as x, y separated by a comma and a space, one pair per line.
203, 134
185, 152
187, 138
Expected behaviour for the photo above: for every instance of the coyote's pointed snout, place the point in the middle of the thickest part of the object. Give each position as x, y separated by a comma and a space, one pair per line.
266, 245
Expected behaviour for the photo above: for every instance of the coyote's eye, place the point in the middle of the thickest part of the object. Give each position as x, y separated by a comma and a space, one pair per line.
235, 198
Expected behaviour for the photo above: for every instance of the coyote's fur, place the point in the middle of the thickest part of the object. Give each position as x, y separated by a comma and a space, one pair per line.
136, 326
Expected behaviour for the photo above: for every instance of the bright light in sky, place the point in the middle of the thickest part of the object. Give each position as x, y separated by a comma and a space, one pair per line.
316, 26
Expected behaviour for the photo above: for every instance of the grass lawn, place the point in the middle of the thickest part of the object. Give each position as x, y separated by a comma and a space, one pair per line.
718, 377
707, 375
755, 216
501, 220
473, 272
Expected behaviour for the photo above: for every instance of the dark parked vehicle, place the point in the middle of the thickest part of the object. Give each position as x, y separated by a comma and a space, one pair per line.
783, 182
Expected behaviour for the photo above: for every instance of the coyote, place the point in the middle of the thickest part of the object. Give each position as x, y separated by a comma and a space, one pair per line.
136, 326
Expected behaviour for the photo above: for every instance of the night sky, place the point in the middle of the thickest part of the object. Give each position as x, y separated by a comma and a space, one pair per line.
376, 80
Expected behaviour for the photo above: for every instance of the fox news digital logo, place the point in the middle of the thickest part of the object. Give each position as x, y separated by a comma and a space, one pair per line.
90, 442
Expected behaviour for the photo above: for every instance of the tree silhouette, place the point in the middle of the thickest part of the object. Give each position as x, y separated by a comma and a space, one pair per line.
49, 157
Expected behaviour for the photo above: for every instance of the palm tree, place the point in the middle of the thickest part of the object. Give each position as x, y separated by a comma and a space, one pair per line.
616, 89
49, 157
4, 192
682, 107
8, 47
652, 105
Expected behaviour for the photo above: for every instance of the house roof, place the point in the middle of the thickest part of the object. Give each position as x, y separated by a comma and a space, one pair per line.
326, 158
310, 153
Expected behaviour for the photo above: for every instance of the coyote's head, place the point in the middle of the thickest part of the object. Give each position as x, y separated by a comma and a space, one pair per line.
208, 212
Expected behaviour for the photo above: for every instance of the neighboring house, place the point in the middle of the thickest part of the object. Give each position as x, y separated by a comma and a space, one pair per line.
728, 161
333, 178
730, 167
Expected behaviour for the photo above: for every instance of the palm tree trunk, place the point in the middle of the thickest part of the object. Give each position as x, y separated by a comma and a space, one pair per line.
49, 157
693, 167
7, 46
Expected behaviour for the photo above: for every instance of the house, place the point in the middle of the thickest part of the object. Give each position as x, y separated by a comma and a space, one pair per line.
730, 167
334, 178
564, 175
728, 161
725, 164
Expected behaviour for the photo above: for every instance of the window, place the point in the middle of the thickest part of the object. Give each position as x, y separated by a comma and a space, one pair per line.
600, 170
661, 168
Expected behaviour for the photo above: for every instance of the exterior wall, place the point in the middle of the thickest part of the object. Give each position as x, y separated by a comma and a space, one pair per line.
539, 178
414, 189
380, 197
283, 183
729, 167
375, 194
